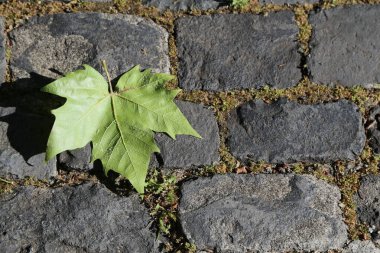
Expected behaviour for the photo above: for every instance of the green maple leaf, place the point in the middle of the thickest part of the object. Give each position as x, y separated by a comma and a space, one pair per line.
120, 122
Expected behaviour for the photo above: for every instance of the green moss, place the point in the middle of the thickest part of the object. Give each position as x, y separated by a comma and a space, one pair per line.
239, 3
301, 14
6, 185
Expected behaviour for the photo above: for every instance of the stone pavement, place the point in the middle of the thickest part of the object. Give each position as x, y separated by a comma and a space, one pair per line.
284, 96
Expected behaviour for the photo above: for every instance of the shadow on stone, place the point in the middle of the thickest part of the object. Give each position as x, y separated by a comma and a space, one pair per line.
27, 111
121, 187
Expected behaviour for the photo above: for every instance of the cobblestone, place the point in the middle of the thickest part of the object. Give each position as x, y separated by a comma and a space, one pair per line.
368, 206
57, 44
224, 52
264, 213
178, 5
47, 220
344, 46
285, 132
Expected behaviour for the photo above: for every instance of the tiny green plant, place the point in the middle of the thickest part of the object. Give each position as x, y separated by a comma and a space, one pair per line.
239, 3
120, 121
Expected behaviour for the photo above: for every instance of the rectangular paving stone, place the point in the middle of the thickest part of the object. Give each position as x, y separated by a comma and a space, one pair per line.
373, 130
2, 51
67, 1
285, 132
57, 44
188, 151
178, 5
233, 51
262, 213
25, 125
85, 218
368, 205
345, 46
288, 1
361, 247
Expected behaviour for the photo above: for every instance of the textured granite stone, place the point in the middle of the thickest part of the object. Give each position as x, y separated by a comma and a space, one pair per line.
262, 213
78, 159
56, 44
68, 1
178, 5
374, 129
368, 204
233, 51
187, 151
345, 46
286, 131
288, 1
2, 52
361, 247
25, 124
14, 149
86, 218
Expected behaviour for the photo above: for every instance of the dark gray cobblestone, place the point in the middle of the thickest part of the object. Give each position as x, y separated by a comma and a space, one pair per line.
65, 1
15, 157
368, 205
374, 129
345, 46
264, 213
232, 51
285, 131
188, 151
361, 247
289, 1
57, 44
78, 159
24, 129
85, 218
2, 51
178, 5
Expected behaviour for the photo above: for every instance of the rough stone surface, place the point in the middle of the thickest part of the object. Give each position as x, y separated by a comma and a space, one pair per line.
178, 5
13, 158
222, 52
68, 1
374, 129
361, 247
78, 159
56, 44
184, 152
286, 131
264, 213
187, 151
368, 204
86, 218
345, 46
25, 124
288, 1
2, 52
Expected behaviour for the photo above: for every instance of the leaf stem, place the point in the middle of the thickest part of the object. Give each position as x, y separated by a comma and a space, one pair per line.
5, 181
104, 65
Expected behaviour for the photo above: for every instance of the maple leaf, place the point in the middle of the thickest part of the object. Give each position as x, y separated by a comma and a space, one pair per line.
120, 122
